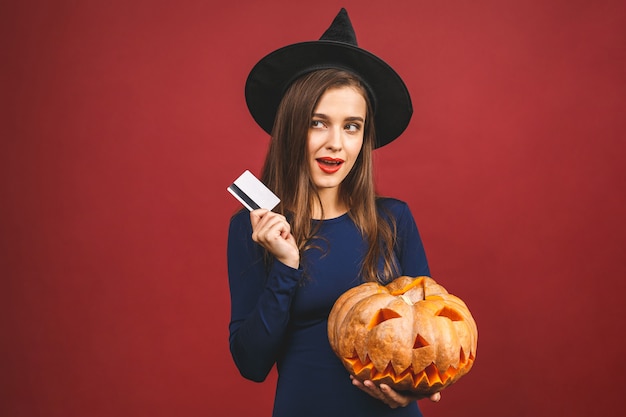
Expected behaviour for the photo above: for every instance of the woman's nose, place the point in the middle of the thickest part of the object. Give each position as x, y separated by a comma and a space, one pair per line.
334, 139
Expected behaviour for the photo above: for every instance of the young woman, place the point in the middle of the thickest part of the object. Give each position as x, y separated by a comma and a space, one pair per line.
327, 104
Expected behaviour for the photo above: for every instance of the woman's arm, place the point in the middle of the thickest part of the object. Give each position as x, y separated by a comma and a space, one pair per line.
409, 246
260, 301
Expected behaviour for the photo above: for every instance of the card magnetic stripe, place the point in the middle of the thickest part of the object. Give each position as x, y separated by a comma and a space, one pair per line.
244, 196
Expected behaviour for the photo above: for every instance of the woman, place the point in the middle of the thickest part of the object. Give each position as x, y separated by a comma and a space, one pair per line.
327, 104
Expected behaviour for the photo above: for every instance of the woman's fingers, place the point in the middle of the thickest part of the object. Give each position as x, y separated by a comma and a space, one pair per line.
393, 398
256, 216
269, 226
273, 232
371, 388
388, 395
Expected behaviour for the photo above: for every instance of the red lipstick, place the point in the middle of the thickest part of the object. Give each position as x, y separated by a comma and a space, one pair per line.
329, 165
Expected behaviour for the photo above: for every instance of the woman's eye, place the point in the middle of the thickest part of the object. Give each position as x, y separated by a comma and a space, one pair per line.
317, 123
353, 127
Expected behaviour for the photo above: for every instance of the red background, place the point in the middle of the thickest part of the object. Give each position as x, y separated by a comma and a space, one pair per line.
124, 121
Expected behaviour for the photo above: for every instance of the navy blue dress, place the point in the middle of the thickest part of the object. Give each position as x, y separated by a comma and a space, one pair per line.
279, 316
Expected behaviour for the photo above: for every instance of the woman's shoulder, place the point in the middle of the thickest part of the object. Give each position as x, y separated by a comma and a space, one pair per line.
393, 205
240, 220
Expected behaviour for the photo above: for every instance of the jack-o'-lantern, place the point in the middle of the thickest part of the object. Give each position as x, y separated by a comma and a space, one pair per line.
410, 334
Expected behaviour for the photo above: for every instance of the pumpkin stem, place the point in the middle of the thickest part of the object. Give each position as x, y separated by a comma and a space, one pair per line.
419, 281
406, 299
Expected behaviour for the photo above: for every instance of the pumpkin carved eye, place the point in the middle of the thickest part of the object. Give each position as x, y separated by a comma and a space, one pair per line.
453, 315
410, 334
382, 315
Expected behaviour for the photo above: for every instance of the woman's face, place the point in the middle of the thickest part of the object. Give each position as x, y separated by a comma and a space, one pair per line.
335, 136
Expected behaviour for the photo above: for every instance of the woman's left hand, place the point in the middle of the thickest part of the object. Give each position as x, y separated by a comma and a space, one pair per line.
388, 395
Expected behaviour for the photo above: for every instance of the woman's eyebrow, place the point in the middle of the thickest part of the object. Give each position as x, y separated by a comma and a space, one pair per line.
348, 119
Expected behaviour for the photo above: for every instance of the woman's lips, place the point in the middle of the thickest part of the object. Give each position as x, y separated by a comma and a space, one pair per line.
329, 165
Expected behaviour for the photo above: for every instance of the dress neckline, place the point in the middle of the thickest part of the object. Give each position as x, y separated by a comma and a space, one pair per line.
334, 219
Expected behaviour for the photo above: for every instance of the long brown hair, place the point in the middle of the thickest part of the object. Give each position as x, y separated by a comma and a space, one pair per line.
287, 172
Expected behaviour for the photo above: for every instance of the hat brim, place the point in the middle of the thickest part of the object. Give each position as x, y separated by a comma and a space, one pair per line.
272, 75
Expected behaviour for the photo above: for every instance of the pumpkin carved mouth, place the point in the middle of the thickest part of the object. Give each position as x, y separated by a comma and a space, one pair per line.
410, 334
427, 381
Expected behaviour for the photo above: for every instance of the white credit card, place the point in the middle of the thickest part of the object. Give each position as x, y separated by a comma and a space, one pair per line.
252, 193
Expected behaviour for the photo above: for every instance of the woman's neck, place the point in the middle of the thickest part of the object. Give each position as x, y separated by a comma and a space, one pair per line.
330, 203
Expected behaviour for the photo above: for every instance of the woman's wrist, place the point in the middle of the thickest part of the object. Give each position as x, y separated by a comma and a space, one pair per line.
290, 262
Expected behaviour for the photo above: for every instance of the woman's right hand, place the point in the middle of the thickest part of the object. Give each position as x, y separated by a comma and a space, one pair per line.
273, 232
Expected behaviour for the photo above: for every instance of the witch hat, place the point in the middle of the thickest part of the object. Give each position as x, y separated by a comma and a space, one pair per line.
337, 48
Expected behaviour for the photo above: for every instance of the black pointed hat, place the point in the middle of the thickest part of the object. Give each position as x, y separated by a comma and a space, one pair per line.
337, 48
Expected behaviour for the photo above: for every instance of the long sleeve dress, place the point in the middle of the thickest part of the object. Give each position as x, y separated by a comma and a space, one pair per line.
279, 314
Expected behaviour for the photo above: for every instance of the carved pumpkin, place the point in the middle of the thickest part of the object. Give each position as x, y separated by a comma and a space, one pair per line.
410, 334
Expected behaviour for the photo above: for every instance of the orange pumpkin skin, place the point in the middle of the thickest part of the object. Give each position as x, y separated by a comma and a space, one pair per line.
410, 334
